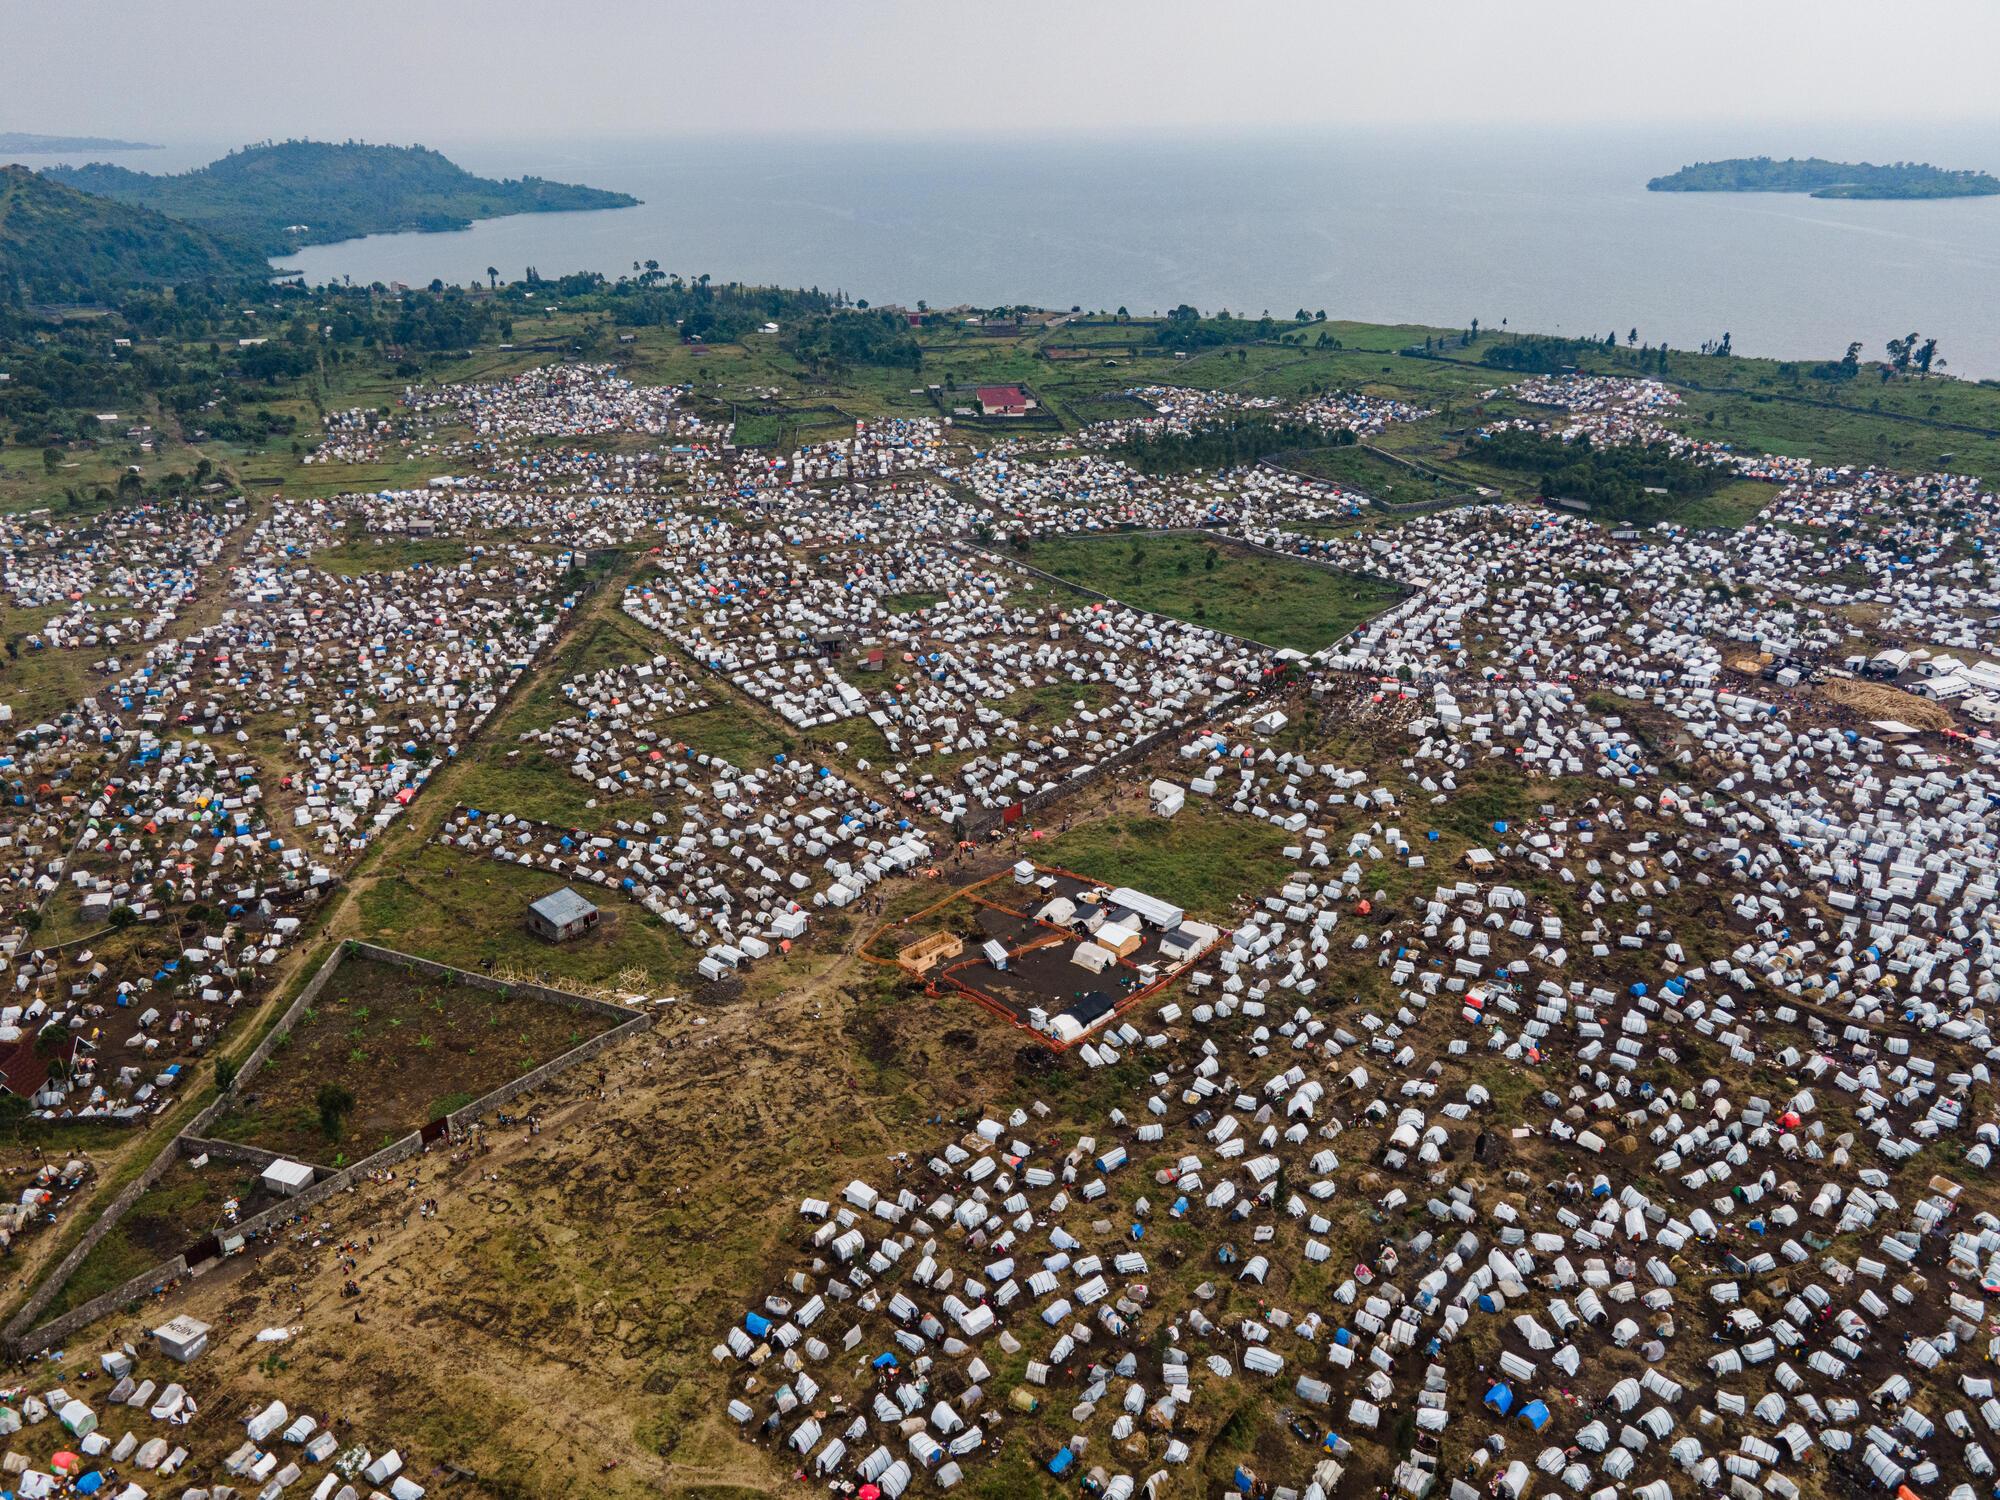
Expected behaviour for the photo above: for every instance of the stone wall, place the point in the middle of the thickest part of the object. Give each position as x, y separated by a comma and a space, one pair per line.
57, 1329
191, 1141
106, 1221
584, 1052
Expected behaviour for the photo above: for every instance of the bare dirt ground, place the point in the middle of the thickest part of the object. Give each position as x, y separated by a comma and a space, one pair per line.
547, 1331
556, 1314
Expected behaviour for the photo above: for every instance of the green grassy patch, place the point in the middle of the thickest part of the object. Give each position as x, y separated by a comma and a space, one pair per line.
363, 555
1730, 508
462, 910
1369, 472
1203, 859
730, 731
1276, 600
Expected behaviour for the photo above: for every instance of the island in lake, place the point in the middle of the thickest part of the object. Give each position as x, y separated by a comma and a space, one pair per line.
277, 197
27, 143
1826, 179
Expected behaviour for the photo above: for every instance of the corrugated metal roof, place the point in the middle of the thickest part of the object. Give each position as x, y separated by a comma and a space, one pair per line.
562, 907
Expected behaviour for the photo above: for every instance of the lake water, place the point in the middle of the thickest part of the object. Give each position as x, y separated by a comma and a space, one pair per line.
1551, 231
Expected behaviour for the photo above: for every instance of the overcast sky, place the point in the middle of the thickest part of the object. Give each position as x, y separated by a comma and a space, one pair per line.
406, 70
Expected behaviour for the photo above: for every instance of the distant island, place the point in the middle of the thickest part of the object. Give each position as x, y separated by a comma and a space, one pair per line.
1826, 179
29, 144
278, 197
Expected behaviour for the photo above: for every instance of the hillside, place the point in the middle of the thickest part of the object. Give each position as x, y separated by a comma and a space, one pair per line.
1826, 179
280, 197
58, 244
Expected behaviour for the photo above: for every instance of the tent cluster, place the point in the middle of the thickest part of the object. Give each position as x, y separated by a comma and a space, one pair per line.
562, 401
739, 862
878, 449
1703, 1233
217, 782
281, 1452
1180, 410
115, 579
1611, 411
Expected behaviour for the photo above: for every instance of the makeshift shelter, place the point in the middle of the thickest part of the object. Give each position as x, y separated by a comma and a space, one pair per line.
561, 915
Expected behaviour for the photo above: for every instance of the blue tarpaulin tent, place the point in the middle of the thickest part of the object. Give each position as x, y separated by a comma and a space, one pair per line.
1536, 1414
1499, 1399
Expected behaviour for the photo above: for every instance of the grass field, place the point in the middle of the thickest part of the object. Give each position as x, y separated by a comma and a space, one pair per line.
463, 910
40, 682
388, 555
1202, 859
1730, 508
1370, 473
1278, 601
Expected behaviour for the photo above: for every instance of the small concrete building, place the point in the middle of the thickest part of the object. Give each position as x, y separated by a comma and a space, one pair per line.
287, 1179
182, 1338
561, 915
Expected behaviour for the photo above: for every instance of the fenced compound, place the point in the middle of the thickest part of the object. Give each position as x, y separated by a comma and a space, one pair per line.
1036, 966
21, 1334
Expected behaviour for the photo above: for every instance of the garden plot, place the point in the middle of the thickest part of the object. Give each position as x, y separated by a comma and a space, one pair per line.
400, 1049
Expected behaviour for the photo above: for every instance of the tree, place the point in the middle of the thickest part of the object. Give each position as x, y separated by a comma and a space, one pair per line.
335, 1102
1632, 338
1900, 352
493, 278
54, 1045
1850, 364
1926, 352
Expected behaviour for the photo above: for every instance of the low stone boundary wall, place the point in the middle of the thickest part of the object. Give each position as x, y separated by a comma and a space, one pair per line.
23, 1339
59, 1277
236, 1151
57, 1329
581, 1053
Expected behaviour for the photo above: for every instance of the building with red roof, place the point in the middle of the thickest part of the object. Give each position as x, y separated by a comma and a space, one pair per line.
1003, 401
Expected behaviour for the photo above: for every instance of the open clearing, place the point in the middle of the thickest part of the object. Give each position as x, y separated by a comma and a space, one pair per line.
1275, 600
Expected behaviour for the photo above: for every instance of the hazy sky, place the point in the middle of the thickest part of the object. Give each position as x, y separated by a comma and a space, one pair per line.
403, 70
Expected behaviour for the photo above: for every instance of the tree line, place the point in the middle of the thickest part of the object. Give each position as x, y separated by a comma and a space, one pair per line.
1219, 445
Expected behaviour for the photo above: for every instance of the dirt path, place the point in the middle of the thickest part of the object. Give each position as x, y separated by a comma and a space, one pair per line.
559, 1301
338, 918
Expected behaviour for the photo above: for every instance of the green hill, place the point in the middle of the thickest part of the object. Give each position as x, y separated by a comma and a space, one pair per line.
1826, 179
280, 197
59, 245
